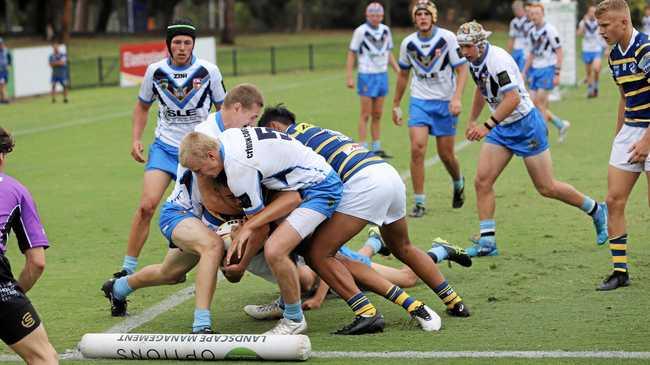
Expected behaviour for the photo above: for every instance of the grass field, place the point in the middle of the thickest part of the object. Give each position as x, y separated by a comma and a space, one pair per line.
538, 295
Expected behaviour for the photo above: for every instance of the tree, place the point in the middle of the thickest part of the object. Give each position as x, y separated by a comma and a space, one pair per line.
105, 10
81, 16
66, 18
228, 31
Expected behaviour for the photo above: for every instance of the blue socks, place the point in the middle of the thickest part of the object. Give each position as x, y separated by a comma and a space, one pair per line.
129, 264
121, 288
459, 184
376, 145
420, 199
365, 145
437, 253
201, 319
374, 243
488, 231
293, 311
589, 206
557, 122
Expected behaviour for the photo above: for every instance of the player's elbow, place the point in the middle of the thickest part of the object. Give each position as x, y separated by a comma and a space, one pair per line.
36, 263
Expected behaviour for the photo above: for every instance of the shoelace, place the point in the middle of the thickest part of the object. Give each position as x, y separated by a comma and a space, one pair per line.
268, 307
421, 312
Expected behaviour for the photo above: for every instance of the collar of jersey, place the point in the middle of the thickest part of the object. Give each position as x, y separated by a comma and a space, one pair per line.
371, 27
219, 120
180, 68
434, 30
629, 45
540, 28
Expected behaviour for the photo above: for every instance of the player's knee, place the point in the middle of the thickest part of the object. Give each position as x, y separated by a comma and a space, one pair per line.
447, 157
547, 190
410, 279
376, 117
417, 152
482, 184
147, 208
274, 255
616, 203
210, 248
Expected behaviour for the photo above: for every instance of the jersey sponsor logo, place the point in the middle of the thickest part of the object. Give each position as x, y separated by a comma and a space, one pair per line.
503, 78
180, 76
196, 83
248, 142
163, 83
171, 113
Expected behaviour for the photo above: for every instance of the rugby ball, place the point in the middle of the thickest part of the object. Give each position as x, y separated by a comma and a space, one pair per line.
224, 231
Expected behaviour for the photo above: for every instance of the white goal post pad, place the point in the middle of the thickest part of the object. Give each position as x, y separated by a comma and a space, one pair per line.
141, 346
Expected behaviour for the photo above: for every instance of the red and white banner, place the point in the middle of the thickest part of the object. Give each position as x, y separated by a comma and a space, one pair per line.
134, 59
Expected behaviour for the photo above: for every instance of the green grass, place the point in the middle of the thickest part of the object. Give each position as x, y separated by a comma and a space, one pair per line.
538, 295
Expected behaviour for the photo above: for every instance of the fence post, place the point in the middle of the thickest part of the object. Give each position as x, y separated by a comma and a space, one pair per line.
273, 60
311, 56
100, 71
234, 62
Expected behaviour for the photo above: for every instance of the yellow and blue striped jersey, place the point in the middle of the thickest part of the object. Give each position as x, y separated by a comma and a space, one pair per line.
631, 71
342, 153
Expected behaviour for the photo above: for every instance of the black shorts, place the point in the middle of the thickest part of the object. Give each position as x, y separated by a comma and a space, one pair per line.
18, 318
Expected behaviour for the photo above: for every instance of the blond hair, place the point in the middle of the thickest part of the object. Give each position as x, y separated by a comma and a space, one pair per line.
195, 147
248, 95
536, 5
606, 6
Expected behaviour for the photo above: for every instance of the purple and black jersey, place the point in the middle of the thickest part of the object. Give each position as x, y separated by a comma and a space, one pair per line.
18, 215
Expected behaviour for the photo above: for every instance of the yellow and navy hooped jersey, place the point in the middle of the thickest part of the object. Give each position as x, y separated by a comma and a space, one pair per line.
631, 71
346, 156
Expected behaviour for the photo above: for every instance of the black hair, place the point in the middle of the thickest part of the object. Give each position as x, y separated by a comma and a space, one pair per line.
6, 141
182, 26
278, 113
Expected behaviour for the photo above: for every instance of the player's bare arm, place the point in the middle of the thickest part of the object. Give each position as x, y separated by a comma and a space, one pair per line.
140, 113
478, 103
33, 269
402, 81
349, 65
455, 104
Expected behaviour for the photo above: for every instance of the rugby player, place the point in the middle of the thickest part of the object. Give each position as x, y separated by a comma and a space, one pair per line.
440, 73
185, 87
515, 127
371, 46
629, 62
20, 325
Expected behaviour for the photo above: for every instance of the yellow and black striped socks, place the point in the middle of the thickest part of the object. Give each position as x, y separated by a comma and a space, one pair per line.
398, 296
447, 294
361, 306
618, 247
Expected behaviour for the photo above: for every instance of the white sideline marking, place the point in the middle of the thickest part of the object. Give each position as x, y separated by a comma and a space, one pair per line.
435, 159
152, 312
76, 355
105, 117
74, 123
483, 354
